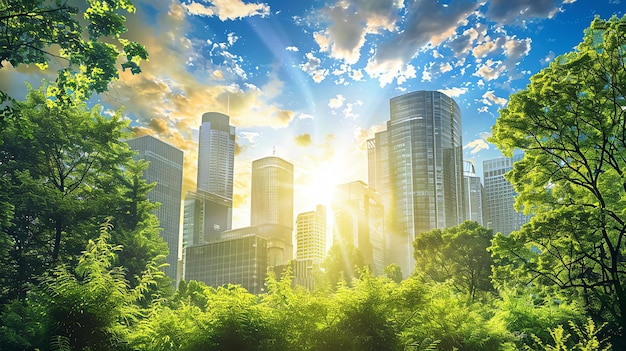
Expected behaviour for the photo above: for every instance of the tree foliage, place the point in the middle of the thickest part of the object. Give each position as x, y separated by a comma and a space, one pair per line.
65, 169
34, 31
456, 254
570, 121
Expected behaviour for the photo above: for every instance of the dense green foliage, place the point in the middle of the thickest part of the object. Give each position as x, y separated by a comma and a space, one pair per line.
570, 122
80, 252
35, 31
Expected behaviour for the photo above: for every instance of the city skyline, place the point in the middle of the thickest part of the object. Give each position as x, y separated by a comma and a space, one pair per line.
296, 78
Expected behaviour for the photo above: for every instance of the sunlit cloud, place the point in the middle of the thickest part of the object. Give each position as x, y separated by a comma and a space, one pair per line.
454, 92
336, 102
476, 145
490, 98
490, 70
227, 9
303, 139
313, 68
292, 48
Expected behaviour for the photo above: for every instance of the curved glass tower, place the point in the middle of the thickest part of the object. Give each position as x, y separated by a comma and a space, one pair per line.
420, 169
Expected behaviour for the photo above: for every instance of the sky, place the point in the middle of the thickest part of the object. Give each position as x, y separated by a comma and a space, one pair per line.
310, 81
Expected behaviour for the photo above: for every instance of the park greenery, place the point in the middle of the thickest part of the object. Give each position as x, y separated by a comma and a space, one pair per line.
81, 258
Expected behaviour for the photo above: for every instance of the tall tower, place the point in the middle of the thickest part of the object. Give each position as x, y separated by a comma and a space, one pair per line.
474, 193
271, 203
216, 155
420, 169
500, 196
359, 220
272, 192
166, 170
311, 235
208, 210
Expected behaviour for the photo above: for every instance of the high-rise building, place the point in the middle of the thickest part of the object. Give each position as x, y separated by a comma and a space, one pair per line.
216, 155
311, 235
208, 210
271, 202
474, 194
166, 170
359, 220
418, 165
239, 260
500, 215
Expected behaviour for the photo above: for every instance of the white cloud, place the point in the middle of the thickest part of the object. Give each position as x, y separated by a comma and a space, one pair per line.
428, 24
454, 92
476, 145
490, 70
336, 102
292, 48
305, 116
313, 68
490, 98
227, 9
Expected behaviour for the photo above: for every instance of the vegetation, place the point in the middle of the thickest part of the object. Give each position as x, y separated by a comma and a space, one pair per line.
80, 253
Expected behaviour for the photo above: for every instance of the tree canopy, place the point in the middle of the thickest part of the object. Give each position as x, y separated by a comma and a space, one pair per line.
570, 121
34, 31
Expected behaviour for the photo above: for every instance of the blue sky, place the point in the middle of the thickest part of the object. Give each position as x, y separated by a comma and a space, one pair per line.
310, 81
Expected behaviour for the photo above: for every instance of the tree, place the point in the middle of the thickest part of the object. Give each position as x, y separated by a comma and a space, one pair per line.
457, 254
342, 263
34, 31
65, 171
393, 272
570, 121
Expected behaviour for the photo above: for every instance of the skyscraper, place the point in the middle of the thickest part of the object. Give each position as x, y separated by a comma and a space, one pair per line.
418, 164
208, 210
216, 155
166, 170
474, 194
272, 203
358, 214
311, 235
500, 196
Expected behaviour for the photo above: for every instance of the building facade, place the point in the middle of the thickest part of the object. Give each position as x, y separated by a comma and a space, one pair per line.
359, 220
418, 169
500, 215
208, 210
311, 235
216, 155
474, 194
271, 203
241, 260
166, 170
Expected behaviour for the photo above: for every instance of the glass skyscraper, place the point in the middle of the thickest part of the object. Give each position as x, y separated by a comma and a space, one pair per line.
500, 215
208, 210
166, 170
418, 169
216, 155
474, 194
271, 202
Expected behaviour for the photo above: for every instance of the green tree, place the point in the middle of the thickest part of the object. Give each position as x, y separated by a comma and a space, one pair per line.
65, 171
570, 121
457, 254
34, 31
393, 272
342, 264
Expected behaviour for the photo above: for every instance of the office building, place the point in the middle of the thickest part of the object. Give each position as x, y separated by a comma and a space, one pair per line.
418, 169
239, 260
271, 202
166, 170
311, 235
358, 220
208, 210
500, 215
474, 194
216, 155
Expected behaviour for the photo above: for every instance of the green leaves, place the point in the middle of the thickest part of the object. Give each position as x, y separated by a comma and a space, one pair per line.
34, 31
